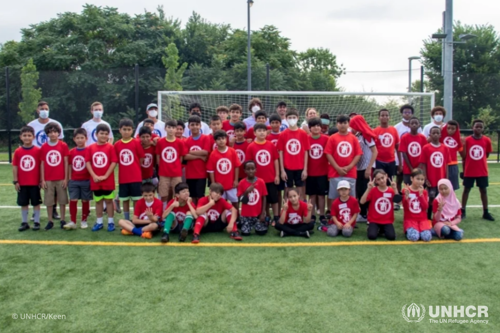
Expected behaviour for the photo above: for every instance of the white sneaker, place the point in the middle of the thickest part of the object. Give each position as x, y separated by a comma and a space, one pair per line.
70, 226
360, 218
84, 225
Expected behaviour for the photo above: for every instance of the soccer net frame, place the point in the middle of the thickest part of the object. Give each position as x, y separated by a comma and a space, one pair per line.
175, 104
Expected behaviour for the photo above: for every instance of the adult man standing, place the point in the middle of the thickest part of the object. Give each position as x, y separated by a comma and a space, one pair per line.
152, 112
205, 129
97, 111
40, 123
437, 113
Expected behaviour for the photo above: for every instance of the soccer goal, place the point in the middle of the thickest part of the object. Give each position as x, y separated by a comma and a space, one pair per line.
175, 104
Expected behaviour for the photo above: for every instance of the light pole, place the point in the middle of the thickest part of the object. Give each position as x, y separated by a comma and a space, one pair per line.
410, 59
249, 54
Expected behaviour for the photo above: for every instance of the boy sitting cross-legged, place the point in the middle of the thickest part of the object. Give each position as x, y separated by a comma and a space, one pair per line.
179, 214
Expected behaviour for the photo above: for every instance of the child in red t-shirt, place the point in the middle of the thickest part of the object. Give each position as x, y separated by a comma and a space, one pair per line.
252, 193
215, 125
447, 212
149, 162
235, 112
54, 172
101, 160
411, 147
293, 147
260, 118
26, 174
240, 145
475, 154
387, 145
179, 214
450, 137
148, 123
179, 130
147, 215
415, 202
213, 214
295, 219
274, 134
79, 180
381, 208
222, 111
345, 210
434, 162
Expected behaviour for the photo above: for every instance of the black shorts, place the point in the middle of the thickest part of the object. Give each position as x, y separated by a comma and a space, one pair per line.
281, 186
197, 187
481, 182
317, 185
294, 177
389, 168
131, 191
216, 226
29, 194
272, 193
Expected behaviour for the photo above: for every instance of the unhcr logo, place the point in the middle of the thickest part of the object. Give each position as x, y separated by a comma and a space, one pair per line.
413, 313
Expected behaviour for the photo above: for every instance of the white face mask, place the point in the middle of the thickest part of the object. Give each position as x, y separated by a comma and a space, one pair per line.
98, 114
438, 118
292, 122
153, 113
405, 120
255, 108
44, 114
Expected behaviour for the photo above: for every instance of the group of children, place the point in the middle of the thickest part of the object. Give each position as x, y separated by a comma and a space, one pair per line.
269, 174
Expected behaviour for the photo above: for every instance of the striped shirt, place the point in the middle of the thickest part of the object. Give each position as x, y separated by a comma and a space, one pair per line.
364, 161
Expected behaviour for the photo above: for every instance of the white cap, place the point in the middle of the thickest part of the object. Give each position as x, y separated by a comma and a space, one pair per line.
152, 105
343, 184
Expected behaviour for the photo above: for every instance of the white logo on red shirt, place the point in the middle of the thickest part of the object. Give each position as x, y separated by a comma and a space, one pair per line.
224, 166
180, 216
316, 151
126, 157
230, 133
148, 160
253, 197
195, 148
213, 215
53, 158
78, 163
344, 149
414, 206
414, 149
27, 163
294, 218
293, 146
437, 159
476, 152
144, 217
382, 206
241, 155
99, 159
450, 142
169, 155
275, 142
386, 140
345, 214
263, 157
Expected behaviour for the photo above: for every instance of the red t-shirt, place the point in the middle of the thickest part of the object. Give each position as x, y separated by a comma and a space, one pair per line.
53, 158
170, 153
153, 136
196, 169
254, 206
343, 149
264, 155
148, 164
79, 169
223, 166
27, 161
344, 211
454, 147
181, 211
293, 144
317, 162
100, 158
296, 216
381, 208
251, 135
436, 162
273, 137
476, 164
212, 143
129, 164
216, 210
435, 205
415, 209
228, 128
412, 145
388, 138
241, 150
141, 207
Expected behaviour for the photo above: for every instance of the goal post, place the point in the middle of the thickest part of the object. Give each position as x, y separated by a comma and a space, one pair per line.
175, 104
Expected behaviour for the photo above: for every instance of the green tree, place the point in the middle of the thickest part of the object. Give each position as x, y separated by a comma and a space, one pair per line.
31, 95
173, 77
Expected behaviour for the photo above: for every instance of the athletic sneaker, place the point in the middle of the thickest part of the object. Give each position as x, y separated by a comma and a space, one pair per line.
147, 235
125, 232
282, 234
24, 226
117, 206
397, 207
463, 213
361, 219
306, 234
55, 215
36, 227
183, 235
70, 226
84, 225
487, 216
165, 238
236, 236
63, 223
111, 227
97, 227
196, 239
328, 215
49, 226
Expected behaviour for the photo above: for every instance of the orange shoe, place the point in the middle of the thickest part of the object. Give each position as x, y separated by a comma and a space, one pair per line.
147, 235
125, 232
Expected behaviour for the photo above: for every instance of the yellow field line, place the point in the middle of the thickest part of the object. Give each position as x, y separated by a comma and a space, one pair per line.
243, 244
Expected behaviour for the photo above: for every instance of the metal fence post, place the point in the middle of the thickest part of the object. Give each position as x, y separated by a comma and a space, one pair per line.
136, 70
498, 145
7, 106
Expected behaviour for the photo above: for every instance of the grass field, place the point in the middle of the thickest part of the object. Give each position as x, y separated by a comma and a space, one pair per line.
353, 286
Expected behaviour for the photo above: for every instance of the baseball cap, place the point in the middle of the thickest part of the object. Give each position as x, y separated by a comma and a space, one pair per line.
343, 184
152, 105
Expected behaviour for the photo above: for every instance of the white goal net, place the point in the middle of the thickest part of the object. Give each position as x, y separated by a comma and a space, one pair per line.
175, 104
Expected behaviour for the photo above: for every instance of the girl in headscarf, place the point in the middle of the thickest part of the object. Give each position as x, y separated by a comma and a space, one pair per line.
447, 212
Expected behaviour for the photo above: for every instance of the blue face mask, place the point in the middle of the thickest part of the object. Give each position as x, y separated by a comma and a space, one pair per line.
438, 118
325, 122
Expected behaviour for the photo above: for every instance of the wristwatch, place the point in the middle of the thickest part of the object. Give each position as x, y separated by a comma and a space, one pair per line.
15, 182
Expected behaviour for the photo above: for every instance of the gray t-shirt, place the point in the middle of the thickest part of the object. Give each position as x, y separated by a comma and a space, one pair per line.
364, 161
